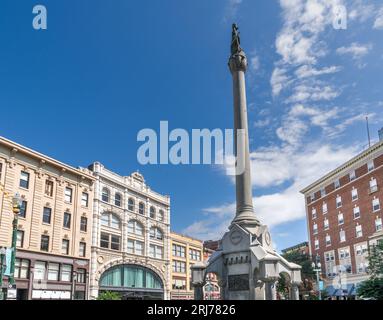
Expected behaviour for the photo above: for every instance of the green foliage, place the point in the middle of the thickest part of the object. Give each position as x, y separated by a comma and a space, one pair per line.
282, 284
108, 295
372, 288
304, 261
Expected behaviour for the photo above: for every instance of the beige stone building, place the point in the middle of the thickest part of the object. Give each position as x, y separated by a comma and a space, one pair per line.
54, 224
130, 237
186, 251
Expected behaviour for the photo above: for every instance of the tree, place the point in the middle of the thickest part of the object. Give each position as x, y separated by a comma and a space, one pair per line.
108, 295
373, 287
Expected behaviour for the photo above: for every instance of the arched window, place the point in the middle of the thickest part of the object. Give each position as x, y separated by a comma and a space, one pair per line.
141, 208
110, 220
117, 199
136, 228
161, 215
105, 194
131, 204
152, 212
156, 234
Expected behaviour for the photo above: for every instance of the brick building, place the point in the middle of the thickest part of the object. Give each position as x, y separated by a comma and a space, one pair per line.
344, 216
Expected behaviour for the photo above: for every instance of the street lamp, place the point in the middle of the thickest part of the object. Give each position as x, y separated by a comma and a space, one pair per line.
2, 255
317, 267
16, 205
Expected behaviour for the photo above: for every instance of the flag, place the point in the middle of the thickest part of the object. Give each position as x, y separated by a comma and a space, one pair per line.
8, 259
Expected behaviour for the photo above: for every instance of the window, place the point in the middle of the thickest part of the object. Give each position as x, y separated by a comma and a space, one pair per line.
352, 175
105, 194
117, 200
344, 253
161, 215
195, 255
110, 220
110, 241
179, 284
47, 213
135, 227
84, 199
314, 213
375, 205
179, 267
22, 268
356, 213
156, 251
315, 228
322, 192
354, 194
370, 165
329, 256
65, 247
135, 247
20, 238
358, 231
156, 234
337, 184
141, 208
338, 201
340, 219
342, 236
378, 224
84, 224
68, 195
44, 245
328, 240
81, 275
48, 188
53, 271
312, 197
152, 212
326, 224
373, 185
24, 180
67, 218
361, 249
324, 208
66, 273
115, 242
39, 270
82, 249
316, 244
104, 240
131, 204
178, 251
23, 209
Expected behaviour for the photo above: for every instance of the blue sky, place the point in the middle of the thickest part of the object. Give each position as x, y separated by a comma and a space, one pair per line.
81, 90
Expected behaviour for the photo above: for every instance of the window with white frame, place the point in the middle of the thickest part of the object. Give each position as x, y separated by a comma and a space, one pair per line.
105, 194
68, 195
322, 192
135, 247
152, 212
315, 228
324, 208
314, 213
342, 236
344, 253
356, 213
340, 219
328, 240
378, 224
131, 204
361, 249
156, 233
84, 199
370, 165
141, 208
136, 228
108, 219
338, 201
24, 180
161, 215
178, 251
354, 194
117, 199
358, 231
156, 251
326, 224
39, 270
312, 196
337, 183
329, 256
352, 175
373, 185
375, 205
316, 244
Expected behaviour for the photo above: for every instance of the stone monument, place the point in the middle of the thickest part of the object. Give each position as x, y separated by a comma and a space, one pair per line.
246, 263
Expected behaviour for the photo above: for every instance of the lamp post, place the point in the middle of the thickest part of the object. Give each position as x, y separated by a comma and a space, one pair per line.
2, 255
16, 204
317, 267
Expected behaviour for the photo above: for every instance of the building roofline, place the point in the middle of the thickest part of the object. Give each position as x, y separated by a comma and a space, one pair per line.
30, 152
344, 166
297, 246
185, 236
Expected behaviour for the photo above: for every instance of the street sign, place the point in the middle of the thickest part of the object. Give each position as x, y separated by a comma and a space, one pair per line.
321, 285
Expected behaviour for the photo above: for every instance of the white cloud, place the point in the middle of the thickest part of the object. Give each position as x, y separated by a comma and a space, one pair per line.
361, 11
254, 63
356, 50
232, 7
378, 24
307, 71
279, 80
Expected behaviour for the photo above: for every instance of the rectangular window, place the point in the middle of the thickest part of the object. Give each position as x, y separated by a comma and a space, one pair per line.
326, 224
315, 228
324, 208
352, 175
53, 271
314, 213
373, 185
358, 231
115, 242
342, 236
195, 255
83, 224
370, 165
104, 240
356, 213
66, 273
375, 205
328, 240
84, 199
47, 215
67, 218
179, 267
337, 184
23, 209
24, 180
20, 239
378, 224
340, 219
178, 251
354, 194
82, 249
49, 188
68, 195
81, 275
39, 270
65, 246
322, 192
156, 251
44, 245
135, 247
316, 244
22, 268
338, 201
